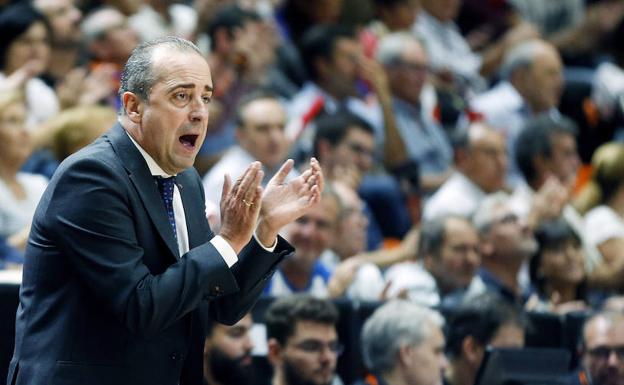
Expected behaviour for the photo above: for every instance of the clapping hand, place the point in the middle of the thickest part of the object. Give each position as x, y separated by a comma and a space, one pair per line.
240, 207
283, 202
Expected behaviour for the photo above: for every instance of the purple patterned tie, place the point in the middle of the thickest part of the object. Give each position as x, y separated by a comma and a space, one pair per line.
165, 186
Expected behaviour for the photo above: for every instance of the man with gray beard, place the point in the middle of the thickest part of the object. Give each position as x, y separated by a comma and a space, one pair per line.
506, 244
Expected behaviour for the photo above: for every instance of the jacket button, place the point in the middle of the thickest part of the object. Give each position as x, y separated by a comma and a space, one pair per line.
175, 356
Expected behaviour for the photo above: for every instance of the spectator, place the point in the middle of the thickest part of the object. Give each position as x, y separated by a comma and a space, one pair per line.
532, 85
24, 55
506, 245
158, 18
109, 41
482, 321
557, 270
403, 343
602, 201
260, 135
547, 156
19, 191
352, 273
303, 345
77, 127
64, 19
227, 353
575, 28
449, 253
344, 145
603, 349
425, 142
311, 234
242, 53
481, 165
451, 57
332, 57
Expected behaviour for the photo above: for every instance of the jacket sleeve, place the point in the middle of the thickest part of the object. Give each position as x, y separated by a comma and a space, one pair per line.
91, 215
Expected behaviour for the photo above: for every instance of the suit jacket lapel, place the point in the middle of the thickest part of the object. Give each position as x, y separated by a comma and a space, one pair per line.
139, 174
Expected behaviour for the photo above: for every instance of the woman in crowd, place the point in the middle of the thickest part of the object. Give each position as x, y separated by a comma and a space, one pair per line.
24, 55
557, 270
19, 192
602, 202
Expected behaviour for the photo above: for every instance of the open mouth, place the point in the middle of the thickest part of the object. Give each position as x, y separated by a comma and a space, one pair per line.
189, 141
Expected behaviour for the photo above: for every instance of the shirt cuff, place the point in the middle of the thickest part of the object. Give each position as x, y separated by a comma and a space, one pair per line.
271, 248
227, 252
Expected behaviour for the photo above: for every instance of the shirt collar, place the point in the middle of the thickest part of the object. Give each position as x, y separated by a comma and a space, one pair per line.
154, 168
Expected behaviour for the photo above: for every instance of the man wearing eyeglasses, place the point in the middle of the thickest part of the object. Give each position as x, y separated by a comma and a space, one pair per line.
406, 66
303, 345
603, 350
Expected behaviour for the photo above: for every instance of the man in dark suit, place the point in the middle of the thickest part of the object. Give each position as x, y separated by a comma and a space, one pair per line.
118, 276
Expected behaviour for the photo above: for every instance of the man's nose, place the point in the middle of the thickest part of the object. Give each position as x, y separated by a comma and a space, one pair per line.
199, 110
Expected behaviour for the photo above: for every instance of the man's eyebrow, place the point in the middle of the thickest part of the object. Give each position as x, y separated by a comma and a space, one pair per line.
189, 86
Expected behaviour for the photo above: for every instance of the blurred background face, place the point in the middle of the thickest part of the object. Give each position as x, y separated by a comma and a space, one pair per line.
400, 16
428, 360
342, 68
563, 263
546, 77
15, 143
352, 223
307, 356
227, 353
605, 365
487, 161
510, 236
117, 38
356, 149
314, 232
443, 10
33, 45
459, 258
262, 134
64, 18
564, 160
409, 75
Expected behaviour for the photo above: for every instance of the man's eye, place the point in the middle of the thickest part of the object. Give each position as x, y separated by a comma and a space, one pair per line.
181, 96
206, 99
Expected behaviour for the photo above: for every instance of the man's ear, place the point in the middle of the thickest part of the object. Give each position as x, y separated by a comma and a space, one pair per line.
405, 355
274, 352
133, 106
472, 350
428, 261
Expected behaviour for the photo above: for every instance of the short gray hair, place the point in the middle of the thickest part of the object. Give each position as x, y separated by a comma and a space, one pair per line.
396, 324
520, 55
483, 217
138, 74
391, 47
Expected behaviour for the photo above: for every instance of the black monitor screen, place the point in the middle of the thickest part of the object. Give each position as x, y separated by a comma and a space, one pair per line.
528, 366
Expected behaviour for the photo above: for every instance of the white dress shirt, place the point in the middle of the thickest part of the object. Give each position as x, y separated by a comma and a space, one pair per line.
222, 246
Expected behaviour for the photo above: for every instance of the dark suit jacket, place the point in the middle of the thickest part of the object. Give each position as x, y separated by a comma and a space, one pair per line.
105, 299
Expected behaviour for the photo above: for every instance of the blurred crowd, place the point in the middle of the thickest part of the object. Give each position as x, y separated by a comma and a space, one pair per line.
471, 148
